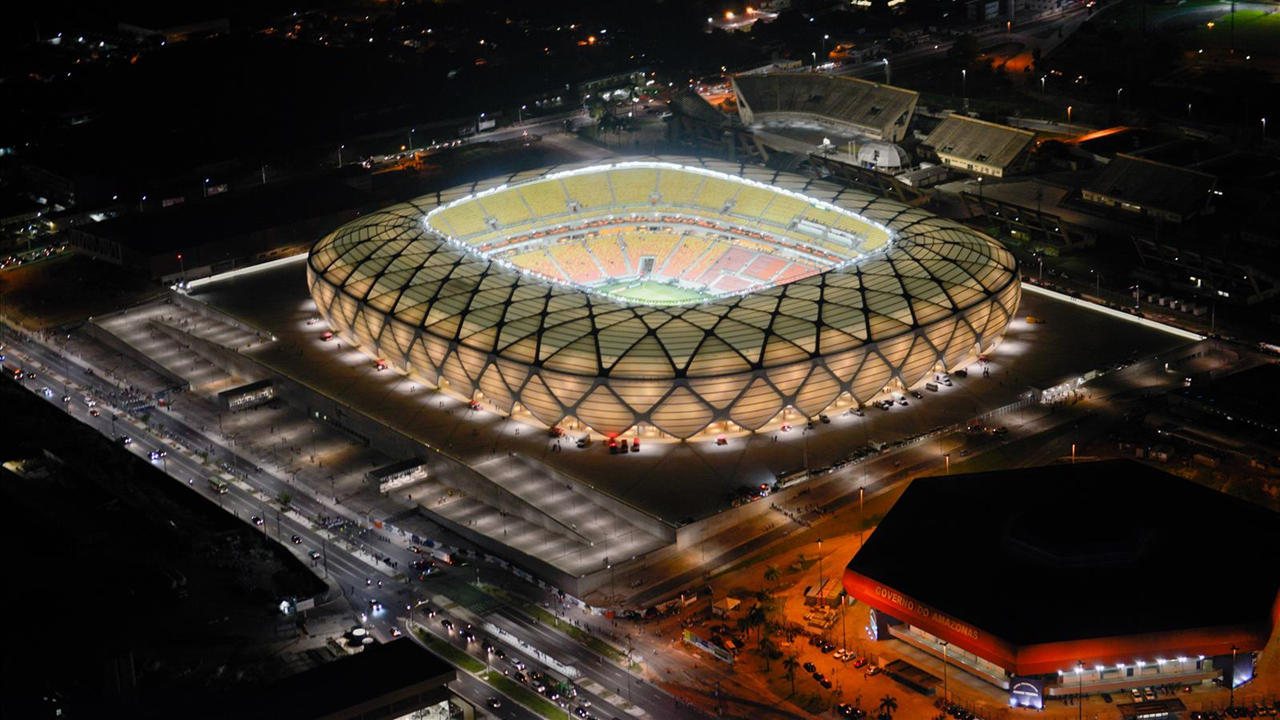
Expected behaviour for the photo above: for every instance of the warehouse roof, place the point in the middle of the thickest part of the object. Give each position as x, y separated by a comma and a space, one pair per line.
1072, 552
979, 141
1155, 185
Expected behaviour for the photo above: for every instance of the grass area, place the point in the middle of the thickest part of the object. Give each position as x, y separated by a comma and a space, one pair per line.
649, 291
524, 696
450, 653
582, 636
1255, 31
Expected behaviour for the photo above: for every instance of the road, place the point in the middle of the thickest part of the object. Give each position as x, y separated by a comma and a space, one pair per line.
358, 575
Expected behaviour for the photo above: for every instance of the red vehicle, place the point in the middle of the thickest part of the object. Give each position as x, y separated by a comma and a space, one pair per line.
326, 336
635, 445
380, 365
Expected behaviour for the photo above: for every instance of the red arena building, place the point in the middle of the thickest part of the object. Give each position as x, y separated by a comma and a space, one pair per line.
1086, 578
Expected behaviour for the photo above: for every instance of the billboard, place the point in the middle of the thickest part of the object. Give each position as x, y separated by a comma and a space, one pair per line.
1026, 692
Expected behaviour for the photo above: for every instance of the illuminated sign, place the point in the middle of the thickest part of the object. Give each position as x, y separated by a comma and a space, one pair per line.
1027, 692
925, 612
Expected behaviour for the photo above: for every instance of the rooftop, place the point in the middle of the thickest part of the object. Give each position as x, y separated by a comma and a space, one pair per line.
836, 97
1152, 184
1074, 552
1252, 394
380, 674
979, 141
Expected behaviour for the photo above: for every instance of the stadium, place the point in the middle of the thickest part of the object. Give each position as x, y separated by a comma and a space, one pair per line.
675, 294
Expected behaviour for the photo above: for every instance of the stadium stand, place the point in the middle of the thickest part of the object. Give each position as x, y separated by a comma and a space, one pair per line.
634, 186
705, 262
546, 199
714, 193
751, 202
461, 221
688, 251
979, 146
507, 208
577, 263
882, 112
795, 271
764, 267
659, 246
589, 191
1141, 186
609, 254
679, 188
537, 261
783, 210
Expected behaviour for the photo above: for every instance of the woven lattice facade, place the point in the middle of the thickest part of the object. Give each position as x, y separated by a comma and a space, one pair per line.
441, 287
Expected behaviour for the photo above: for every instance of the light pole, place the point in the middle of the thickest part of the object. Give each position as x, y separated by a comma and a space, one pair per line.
815, 61
1234, 649
819, 564
182, 267
964, 84
1188, 111
860, 491
888, 72
1069, 114
825, 38
1118, 92
945, 697
520, 114
1264, 135
340, 149
1080, 687
411, 140
206, 187
1042, 79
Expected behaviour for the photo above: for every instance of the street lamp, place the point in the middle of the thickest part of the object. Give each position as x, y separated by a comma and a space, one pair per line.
411, 140
815, 61
520, 114
888, 71
1069, 114
182, 267
1118, 96
819, 564
948, 459
205, 187
964, 79
1264, 134
1080, 688
945, 697
1042, 79
1233, 675
825, 38
340, 149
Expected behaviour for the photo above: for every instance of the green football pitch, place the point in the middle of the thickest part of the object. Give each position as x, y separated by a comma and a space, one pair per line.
649, 291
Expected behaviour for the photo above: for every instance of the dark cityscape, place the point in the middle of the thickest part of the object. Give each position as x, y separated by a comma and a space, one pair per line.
661, 360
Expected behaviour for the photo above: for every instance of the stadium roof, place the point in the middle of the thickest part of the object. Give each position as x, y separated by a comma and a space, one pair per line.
979, 141
1074, 552
860, 103
1151, 184
691, 104
934, 269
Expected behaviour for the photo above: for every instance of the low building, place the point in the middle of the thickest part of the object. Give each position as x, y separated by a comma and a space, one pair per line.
1152, 189
981, 147
1250, 397
394, 680
1048, 579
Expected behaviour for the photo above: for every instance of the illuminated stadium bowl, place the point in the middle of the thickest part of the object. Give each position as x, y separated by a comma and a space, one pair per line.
678, 294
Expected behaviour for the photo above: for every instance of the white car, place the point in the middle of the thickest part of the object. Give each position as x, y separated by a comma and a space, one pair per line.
46, 392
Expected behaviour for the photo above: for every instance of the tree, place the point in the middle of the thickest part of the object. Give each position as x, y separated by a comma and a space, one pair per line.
772, 574
755, 616
767, 647
888, 706
790, 665
284, 498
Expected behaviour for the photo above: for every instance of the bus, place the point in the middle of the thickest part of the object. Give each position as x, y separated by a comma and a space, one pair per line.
218, 485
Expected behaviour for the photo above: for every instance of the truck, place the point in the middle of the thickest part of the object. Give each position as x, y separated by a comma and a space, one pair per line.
219, 485
442, 555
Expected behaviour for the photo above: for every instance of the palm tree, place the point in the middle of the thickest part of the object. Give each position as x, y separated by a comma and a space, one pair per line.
790, 664
772, 574
888, 706
767, 647
755, 616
